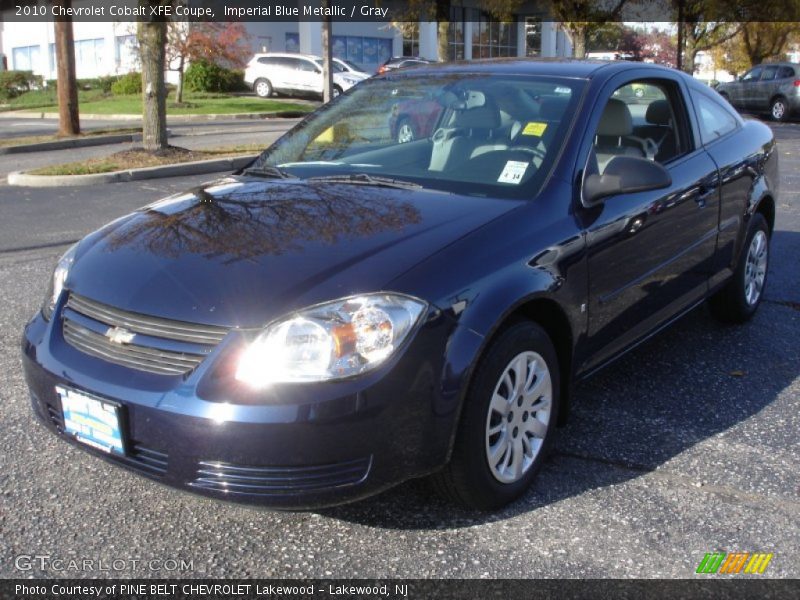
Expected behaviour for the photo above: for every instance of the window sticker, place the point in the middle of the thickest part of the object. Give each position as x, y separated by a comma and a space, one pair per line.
534, 128
513, 172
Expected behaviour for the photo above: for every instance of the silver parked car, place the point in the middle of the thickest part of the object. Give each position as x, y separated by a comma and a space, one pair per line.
769, 88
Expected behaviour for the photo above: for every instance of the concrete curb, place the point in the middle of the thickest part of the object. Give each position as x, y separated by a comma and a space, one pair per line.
96, 140
215, 165
282, 114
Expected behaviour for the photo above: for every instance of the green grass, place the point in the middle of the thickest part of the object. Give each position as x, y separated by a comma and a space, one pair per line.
137, 158
94, 102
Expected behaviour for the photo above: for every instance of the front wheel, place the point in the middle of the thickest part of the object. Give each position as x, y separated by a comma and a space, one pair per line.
779, 110
738, 300
507, 423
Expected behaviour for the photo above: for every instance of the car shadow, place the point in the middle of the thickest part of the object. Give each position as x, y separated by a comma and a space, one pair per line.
695, 380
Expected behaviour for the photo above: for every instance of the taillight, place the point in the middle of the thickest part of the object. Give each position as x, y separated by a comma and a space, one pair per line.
797, 83
382, 70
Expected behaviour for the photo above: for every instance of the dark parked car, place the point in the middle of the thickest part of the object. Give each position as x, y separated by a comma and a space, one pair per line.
402, 62
769, 88
349, 312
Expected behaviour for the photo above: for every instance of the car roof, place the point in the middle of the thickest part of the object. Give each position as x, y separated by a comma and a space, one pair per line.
284, 55
555, 67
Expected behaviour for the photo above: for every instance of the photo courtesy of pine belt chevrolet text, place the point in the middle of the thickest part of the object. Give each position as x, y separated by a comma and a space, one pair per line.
406, 284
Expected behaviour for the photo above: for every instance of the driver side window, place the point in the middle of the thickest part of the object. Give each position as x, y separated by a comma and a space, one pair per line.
639, 120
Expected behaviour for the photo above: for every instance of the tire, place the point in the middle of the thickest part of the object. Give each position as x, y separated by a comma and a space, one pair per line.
779, 109
469, 478
336, 92
737, 302
405, 131
263, 88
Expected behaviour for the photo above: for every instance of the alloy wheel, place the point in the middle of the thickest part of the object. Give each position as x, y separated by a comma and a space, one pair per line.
778, 110
519, 417
755, 270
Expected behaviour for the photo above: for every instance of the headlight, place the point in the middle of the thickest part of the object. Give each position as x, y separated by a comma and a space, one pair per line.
330, 341
350, 81
57, 282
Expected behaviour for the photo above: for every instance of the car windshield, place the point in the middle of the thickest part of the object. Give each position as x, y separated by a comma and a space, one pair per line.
337, 68
474, 134
353, 66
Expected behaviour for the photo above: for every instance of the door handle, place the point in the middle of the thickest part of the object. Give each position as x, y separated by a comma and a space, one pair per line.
704, 193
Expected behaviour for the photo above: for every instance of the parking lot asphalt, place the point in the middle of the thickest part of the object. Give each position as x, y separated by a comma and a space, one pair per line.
687, 445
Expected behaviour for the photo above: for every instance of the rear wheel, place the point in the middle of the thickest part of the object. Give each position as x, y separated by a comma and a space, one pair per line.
779, 109
336, 91
507, 421
738, 300
263, 88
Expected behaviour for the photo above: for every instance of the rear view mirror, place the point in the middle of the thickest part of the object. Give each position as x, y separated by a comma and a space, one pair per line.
625, 175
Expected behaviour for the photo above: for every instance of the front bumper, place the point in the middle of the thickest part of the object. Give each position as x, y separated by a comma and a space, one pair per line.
299, 447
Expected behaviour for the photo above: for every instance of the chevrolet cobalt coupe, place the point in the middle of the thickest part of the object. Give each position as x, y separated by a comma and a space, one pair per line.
349, 311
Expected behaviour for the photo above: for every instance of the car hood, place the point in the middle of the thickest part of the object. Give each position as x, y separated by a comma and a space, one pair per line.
243, 251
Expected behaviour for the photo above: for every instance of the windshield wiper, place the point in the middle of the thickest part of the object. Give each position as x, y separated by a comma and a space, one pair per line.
268, 171
364, 179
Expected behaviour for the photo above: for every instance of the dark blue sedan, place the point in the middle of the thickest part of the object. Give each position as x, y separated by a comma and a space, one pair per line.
350, 312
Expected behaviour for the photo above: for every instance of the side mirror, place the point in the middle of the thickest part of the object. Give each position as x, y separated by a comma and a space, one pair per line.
625, 175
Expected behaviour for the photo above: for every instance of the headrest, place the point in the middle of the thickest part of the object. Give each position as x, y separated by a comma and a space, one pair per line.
481, 117
616, 120
658, 113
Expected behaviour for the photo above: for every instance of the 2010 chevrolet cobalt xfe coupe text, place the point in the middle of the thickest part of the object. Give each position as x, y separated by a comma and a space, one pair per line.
353, 310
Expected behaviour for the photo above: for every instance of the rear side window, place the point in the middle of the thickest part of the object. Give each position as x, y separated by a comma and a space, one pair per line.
769, 73
786, 73
715, 120
267, 60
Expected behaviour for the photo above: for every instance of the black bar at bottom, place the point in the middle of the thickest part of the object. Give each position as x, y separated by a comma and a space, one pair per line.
738, 587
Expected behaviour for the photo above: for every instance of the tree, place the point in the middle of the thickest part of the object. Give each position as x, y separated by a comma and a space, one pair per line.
152, 37
222, 43
581, 18
66, 84
327, 56
762, 41
660, 47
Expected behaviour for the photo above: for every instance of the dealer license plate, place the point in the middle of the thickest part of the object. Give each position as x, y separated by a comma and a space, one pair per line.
93, 421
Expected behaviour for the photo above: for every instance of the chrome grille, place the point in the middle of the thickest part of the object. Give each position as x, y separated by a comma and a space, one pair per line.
159, 345
266, 481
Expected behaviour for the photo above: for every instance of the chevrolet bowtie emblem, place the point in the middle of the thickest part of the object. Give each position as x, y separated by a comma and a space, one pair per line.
120, 335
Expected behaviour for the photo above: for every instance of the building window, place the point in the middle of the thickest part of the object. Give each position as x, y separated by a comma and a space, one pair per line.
89, 57
490, 38
126, 53
365, 53
26, 58
411, 39
533, 36
455, 34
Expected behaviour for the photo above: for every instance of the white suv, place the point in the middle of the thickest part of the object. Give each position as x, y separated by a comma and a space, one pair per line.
293, 73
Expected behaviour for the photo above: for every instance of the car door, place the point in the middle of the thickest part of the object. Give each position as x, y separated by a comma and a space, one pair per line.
649, 253
309, 76
274, 69
766, 88
747, 88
